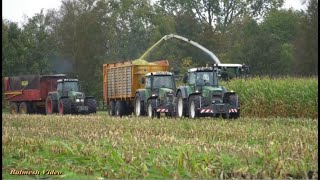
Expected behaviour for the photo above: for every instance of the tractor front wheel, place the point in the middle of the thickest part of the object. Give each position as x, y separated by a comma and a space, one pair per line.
138, 106
234, 101
193, 107
180, 106
64, 106
150, 109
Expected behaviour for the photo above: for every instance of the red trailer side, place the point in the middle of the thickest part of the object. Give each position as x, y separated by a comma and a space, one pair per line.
28, 93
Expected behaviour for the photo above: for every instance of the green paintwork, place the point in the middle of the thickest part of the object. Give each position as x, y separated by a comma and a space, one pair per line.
163, 92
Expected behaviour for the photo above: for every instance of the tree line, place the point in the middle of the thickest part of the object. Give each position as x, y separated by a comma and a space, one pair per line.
81, 35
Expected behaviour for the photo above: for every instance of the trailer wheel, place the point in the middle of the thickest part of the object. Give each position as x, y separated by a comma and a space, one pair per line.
64, 106
51, 105
119, 109
180, 109
24, 108
14, 108
193, 107
111, 108
92, 105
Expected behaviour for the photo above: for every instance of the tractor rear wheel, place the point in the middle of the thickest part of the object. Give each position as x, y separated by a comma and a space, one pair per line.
14, 108
24, 108
51, 105
64, 106
111, 108
193, 107
92, 105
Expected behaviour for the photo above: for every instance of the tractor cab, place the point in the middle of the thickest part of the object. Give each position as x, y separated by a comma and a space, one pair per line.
230, 71
160, 83
204, 76
68, 85
70, 88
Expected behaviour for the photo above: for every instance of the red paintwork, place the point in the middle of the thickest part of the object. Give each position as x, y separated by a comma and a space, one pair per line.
47, 84
6, 83
27, 95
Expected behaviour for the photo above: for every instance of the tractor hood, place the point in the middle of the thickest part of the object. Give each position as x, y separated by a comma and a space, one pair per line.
209, 91
75, 94
165, 91
165, 95
162, 92
209, 88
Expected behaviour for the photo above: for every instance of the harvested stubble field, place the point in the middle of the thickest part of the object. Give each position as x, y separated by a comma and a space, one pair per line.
99, 146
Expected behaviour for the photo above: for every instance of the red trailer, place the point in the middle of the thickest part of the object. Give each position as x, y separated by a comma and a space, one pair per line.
28, 93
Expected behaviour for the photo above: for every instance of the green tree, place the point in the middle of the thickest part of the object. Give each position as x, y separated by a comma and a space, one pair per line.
306, 42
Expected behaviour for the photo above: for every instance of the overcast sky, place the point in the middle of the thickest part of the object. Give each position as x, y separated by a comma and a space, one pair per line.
17, 10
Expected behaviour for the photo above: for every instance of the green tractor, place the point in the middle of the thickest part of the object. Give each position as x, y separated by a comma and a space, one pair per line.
202, 95
157, 96
68, 99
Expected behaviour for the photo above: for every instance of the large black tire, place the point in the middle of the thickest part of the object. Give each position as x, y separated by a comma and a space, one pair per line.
138, 106
24, 108
14, 108
150, 109
51, 105
194, 104
111, 108
125, 108
119, 109
157, 114
180, 106
234, 100
64, 106
92, 105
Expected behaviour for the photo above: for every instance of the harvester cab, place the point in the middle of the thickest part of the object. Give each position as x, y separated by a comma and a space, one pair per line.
203, 96
230, 71
158, 93
68, 99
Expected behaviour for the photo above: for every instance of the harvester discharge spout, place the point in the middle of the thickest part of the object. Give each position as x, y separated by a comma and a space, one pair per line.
167, 37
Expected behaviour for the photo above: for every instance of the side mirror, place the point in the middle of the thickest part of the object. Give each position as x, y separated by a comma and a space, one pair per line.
143, 80
185, 78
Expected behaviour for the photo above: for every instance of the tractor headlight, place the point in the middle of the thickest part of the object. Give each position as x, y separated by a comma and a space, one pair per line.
81, 100
77, 100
